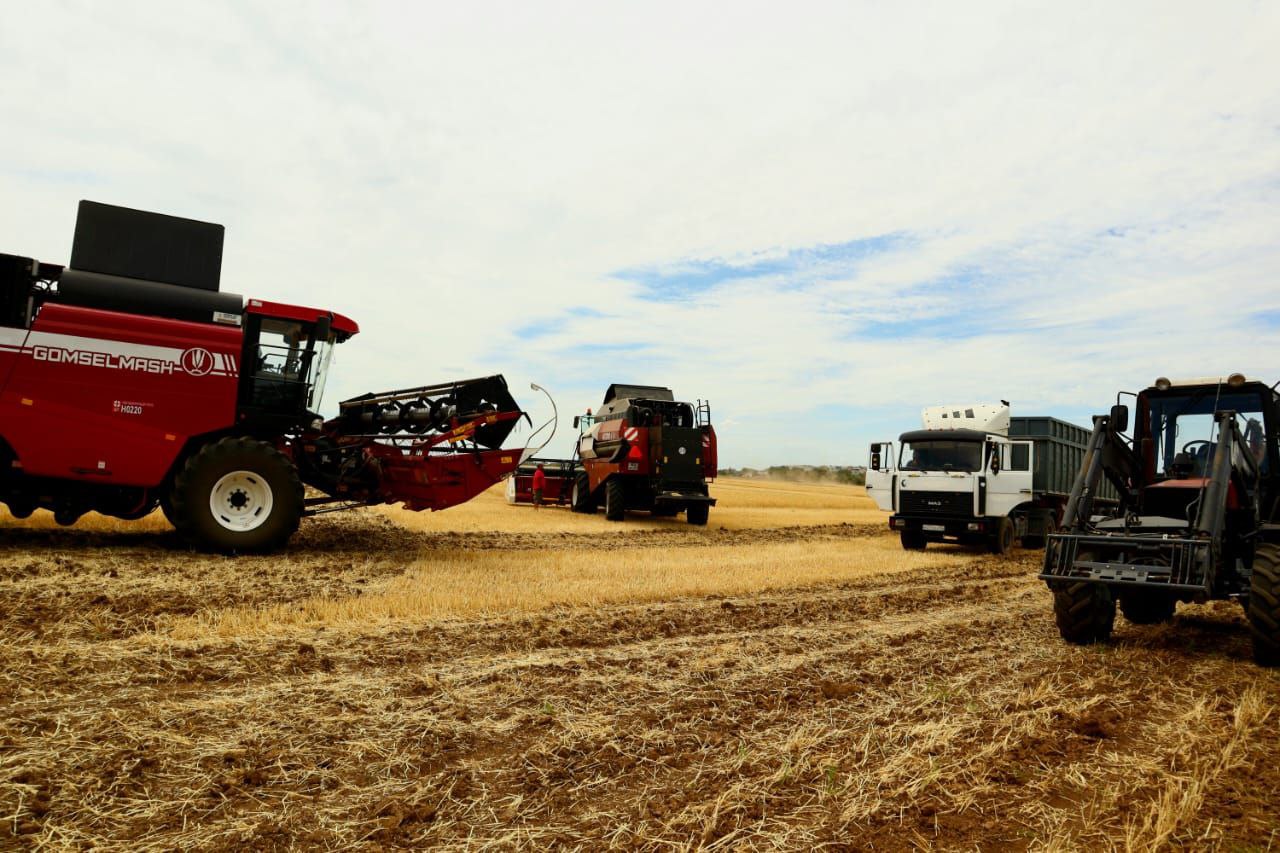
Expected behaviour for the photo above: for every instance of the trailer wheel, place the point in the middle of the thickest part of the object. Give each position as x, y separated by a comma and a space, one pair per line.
580, 499
913, 540
697, 514
614, 499
1002, 539
1146, 606
1085, 612
1264, 604
237, 495
1039, 540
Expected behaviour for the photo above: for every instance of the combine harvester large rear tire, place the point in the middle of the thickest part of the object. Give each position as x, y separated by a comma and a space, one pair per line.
1264, 604
615, 504
581, 499
237, 495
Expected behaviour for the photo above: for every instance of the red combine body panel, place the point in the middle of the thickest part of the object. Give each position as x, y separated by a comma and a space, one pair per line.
110, 397
129, 381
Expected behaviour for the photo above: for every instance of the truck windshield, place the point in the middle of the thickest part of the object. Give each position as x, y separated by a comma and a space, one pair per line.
934, 455
1185, 424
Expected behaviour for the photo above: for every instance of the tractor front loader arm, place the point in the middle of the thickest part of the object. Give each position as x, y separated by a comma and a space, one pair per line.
1108, 456
430, 447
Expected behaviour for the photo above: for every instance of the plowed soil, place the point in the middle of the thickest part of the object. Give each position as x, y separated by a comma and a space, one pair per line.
923, 707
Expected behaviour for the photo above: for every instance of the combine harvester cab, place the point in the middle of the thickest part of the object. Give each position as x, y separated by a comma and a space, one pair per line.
642, 450
975, 475
1199, 500
128, 381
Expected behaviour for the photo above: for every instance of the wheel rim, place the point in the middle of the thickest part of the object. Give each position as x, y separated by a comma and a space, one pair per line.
241, 501
574, 497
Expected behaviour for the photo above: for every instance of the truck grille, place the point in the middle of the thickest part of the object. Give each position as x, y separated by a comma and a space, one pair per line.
936, 503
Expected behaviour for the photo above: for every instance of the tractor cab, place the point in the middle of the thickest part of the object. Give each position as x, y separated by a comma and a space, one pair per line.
287, 352
1178, 430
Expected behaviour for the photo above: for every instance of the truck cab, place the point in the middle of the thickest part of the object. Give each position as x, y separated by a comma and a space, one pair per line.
972, 475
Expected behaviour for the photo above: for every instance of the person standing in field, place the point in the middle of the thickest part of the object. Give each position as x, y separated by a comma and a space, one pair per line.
539, 483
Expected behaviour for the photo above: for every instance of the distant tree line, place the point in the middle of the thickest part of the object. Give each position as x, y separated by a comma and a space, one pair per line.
849, 475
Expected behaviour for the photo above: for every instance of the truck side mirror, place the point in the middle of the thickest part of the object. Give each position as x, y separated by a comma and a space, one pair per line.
995, 457
1119, 418
875, 457
576, 419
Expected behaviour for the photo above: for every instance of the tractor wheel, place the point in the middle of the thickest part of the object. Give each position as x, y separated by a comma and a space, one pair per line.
1085, 612
913, 540
614, 500
697, 514
1264, 604
237, 495
1147, 606
1002, 540
580, 497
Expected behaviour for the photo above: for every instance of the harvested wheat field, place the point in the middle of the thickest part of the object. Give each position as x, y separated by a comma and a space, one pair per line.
492, 676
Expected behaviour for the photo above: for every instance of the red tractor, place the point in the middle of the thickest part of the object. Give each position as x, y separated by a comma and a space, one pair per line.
642, 450
129, 381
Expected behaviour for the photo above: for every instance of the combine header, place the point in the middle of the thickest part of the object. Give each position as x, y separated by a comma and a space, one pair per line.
128, 381
642, 450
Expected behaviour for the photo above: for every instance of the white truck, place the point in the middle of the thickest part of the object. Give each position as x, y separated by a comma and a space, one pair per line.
975, 475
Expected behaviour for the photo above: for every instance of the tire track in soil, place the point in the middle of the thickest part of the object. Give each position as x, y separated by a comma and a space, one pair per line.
945, 703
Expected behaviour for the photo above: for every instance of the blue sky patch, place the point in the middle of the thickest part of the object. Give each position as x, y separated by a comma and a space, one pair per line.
685, 279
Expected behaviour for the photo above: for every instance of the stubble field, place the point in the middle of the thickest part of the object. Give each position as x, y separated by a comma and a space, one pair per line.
492, 676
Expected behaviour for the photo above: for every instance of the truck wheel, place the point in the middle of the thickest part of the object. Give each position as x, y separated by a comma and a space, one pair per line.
580, 497
697, 514
237, 494
1085, 612
1147, 607
1002, 539
614, 502
913, 540
1264, 604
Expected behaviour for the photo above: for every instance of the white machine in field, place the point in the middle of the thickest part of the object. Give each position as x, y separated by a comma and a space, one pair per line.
976, 475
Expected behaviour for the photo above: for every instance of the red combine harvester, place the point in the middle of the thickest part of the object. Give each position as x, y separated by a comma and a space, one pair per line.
128, 381
642, 450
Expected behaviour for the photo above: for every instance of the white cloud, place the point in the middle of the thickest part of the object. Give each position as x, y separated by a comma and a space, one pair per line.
446, 173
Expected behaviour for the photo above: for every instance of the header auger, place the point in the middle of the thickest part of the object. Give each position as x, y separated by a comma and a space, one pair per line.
129, 381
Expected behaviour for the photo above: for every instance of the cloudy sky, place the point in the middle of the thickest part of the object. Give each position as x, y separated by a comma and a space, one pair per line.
821, 217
